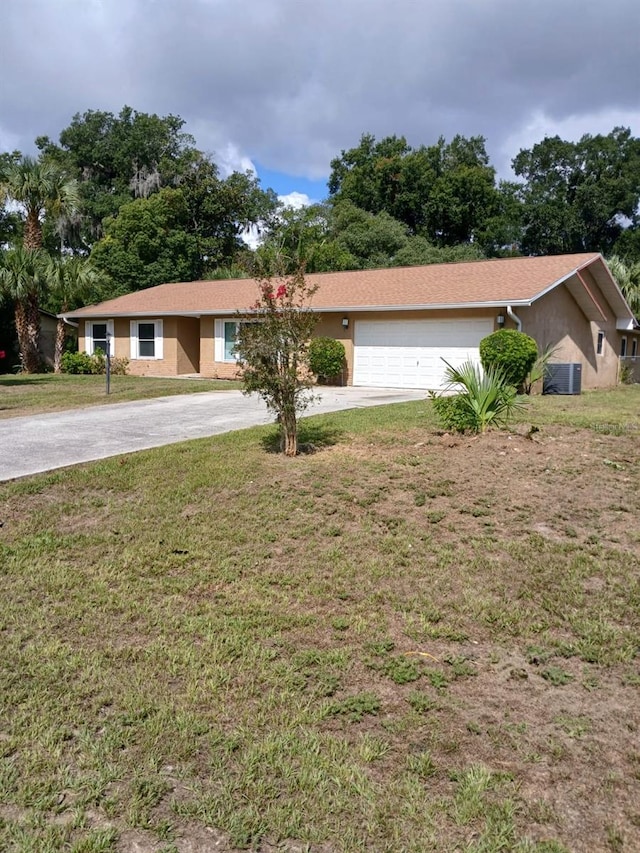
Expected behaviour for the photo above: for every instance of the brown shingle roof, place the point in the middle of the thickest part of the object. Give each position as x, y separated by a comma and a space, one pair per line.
494, 282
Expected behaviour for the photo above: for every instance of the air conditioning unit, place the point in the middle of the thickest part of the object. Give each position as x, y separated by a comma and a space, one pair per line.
563, 379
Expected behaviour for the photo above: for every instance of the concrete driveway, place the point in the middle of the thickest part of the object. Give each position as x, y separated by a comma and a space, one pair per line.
29, 445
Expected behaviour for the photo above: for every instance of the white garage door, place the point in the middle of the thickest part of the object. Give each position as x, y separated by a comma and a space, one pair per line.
409, 353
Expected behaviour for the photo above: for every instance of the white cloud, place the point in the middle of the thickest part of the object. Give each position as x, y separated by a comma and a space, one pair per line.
570, 127
228, 155
252, 237
230, 159
295, 200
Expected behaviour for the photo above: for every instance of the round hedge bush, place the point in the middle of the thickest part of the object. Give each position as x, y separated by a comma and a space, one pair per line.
326, 358
512, 352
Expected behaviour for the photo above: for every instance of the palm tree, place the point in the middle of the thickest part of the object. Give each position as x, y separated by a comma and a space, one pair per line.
21, 281
40, 188
627, 277
68, 279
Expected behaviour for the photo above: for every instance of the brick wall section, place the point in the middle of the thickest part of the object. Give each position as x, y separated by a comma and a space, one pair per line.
208, 366
168, 365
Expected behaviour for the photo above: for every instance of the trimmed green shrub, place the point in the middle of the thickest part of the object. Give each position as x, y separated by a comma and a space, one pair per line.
94, 365
326, 358
453, 413
81, 363
510, 351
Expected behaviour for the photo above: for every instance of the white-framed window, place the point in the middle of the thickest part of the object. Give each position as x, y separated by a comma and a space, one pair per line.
225, 332
98, 335
634, 348
146, 339
600, 345
623, 346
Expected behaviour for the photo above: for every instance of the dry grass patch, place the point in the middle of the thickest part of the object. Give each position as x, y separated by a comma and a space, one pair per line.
402, 641
26, 394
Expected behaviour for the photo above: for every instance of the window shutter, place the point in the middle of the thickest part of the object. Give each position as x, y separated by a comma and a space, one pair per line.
159, 339
133, 339
88, 337
218, 349
111, 340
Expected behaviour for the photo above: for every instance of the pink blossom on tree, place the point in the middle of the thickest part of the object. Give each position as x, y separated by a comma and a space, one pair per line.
273, 350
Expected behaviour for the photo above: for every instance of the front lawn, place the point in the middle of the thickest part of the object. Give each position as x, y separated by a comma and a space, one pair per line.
403, 641
30, 394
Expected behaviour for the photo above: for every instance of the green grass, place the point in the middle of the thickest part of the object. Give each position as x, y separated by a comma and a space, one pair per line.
613, 411
292, 652
48, 392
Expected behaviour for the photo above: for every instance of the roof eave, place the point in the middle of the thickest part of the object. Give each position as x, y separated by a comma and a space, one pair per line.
622, 323
111, 315
559, 281
331, 309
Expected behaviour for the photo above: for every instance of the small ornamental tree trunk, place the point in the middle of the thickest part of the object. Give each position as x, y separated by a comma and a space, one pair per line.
289, 433
272, 348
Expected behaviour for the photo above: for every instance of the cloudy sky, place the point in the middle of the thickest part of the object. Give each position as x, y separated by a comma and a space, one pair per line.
283, 85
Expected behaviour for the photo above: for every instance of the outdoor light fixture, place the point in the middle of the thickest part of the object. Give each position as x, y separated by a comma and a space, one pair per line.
345, 322
500, 320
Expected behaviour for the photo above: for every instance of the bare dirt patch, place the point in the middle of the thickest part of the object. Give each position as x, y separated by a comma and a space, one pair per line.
409, 641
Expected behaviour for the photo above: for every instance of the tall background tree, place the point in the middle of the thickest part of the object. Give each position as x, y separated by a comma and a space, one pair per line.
341, 236
627, 275
119, 158
10, 221
41, 190
148, 243
133, 156
579, 196
22, 285
444, 192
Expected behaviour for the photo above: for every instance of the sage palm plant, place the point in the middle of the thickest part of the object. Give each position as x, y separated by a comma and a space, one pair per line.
475, 399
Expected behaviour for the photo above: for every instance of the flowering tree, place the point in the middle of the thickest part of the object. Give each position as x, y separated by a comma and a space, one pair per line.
272, 347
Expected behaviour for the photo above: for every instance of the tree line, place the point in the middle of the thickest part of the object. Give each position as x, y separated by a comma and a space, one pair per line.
127, 201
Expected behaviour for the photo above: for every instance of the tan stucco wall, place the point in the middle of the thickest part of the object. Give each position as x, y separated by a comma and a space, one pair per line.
330, 326
188, 345
556, 320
